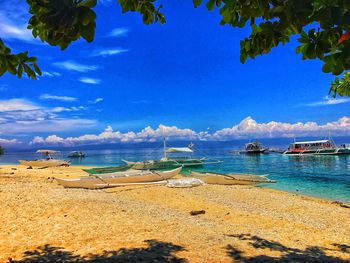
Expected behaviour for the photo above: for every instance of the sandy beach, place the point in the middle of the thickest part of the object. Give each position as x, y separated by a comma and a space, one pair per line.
41, 221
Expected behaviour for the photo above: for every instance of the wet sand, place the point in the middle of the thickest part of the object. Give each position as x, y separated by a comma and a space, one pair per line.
41, 221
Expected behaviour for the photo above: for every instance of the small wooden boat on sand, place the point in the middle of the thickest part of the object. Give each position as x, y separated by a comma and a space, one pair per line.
49, 161
130, 177
230, 179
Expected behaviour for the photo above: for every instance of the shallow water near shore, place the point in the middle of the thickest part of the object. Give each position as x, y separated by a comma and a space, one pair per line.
321, 176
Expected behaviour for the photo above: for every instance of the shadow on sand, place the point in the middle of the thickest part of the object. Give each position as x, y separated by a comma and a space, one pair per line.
310, 254
156, 251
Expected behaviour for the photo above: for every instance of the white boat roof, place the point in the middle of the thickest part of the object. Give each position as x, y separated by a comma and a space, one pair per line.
179, 150
307, 142
47, 151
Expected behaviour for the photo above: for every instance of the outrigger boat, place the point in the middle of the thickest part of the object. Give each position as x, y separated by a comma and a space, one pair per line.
321, 147
230, 179
107, 170
130, 177
49, 161
172, 162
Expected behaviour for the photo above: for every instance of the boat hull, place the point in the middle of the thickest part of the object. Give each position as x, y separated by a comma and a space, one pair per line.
230, 179
166, 164
118, 179
336, 151
44, 163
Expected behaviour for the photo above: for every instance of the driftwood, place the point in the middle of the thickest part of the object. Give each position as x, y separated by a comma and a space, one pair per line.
199, 212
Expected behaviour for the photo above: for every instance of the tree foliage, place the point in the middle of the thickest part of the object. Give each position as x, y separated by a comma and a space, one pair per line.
322, 27
2, 150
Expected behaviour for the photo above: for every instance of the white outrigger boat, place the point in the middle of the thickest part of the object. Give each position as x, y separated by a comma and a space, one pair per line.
130, 177
49, 161
171, 162
230, 179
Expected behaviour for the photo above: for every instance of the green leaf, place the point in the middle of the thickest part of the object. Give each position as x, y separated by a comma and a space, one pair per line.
197, 3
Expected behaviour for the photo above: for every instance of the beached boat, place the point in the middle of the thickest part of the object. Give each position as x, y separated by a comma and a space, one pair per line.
320, 147
107, 170
230, 179
172, 162
76, 154
131, 177
49, 161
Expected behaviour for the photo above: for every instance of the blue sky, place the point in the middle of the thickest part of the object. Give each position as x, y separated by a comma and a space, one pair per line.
185, 74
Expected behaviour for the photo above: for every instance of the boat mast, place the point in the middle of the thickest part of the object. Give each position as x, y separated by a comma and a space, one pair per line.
164, 145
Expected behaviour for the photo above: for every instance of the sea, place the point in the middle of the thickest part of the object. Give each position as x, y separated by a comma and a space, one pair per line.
326, 177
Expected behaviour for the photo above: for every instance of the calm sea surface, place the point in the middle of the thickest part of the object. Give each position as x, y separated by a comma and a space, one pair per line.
321, 176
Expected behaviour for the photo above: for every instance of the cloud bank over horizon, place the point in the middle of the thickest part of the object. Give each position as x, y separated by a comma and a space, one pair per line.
248, 128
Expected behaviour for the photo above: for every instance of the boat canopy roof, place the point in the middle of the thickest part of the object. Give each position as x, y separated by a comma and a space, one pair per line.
47, 151
309, 142
179, 150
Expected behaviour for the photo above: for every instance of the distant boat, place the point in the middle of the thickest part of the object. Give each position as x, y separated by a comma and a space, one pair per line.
230, 179
172, 162
49, 161
252, 148
320, 147
131, 177
255, 148
76, 154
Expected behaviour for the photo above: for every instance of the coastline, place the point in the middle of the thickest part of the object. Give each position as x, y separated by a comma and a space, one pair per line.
240, 223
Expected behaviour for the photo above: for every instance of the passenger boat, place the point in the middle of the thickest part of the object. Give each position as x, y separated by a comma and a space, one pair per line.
321, 147
255, 148
230, 179
49, 161
76, 154
172, 162
130, 177
252, 148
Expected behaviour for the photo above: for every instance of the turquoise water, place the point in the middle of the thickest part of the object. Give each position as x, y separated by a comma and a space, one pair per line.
322, 176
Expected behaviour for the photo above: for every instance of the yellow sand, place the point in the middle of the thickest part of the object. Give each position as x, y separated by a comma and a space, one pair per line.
42, 222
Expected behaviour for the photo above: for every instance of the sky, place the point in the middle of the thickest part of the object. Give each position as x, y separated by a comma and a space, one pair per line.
182, 80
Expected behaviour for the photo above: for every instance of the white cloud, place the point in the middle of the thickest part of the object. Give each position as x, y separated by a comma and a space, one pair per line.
108, 52
326, 102
23, 116
54, 97
246, 129
74, 66
50, 74
95, 101
249, 128
17, 105
119, 32
90, 80
109, 136
6, 142
13, 21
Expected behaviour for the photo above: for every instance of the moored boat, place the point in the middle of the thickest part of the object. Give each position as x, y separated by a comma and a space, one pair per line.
320, 147
230, 179
131, 177
49, 161
76, 154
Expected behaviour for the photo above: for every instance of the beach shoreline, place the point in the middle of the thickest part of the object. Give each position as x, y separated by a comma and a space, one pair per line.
42, 220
